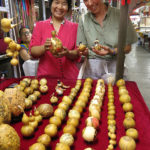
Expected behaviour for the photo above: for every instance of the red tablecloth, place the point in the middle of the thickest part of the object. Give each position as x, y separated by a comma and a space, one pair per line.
142, 117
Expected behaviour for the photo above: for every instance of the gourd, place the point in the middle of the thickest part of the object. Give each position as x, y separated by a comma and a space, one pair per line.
120, 82
69, 129
127, 107
55, 120
15, 100
46, 110
62, 146
27, 130
56, 43
89, 134
82, 47
67, 138
125, 98
51, 130
132, 133
37, 146
127, 143
129, 123
44, 139
5, 114
9, 139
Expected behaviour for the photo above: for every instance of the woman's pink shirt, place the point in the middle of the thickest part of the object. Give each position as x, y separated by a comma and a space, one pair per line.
49, 65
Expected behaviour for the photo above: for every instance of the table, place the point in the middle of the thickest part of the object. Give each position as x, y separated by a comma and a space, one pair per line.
142, 118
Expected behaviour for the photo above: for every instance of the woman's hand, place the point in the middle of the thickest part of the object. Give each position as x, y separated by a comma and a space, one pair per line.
63, 52
84, 52
103, 51
47, 44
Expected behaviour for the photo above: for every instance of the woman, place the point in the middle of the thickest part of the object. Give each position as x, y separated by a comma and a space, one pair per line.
102, 23
63, 64
25, 36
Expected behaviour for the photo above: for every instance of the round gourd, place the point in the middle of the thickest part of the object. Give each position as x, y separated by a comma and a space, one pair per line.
132, 133
35, 81
15, 100
37, 93
44, 139
33, 98
64, 106
66, 138
67, 100
55, 120
89, 134
73, 121
125, 98
129, 115
46, 110
93, 122
28, 103
120, 82
122, 91
51, 130
78, 108
59, 112
27, 131
28, 90
127, 143
9, 139
62, 146
5, 114
69, 129
129, 123
37, 146
127, 107
88, 148
43, 81
80, 103
34, 86
95, 113
53, 99
74, 114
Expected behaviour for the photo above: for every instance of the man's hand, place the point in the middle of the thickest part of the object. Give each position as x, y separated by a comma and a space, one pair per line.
103, 51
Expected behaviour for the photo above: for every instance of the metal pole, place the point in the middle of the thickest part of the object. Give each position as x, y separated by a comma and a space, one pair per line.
122, 41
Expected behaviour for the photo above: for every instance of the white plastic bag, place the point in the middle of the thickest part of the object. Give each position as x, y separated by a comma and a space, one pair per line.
108, 77
30, 67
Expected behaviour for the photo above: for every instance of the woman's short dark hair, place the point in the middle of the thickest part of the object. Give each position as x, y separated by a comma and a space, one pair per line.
69, 2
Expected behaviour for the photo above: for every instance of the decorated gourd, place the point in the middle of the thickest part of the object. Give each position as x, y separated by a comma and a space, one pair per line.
56, 44
46, 110
15, 100
5, 114
9, 139
67, 138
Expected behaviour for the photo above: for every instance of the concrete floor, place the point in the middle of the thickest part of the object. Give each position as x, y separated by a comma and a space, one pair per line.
138, 64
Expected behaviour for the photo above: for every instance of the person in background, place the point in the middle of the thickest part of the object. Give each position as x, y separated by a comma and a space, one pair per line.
63, 64
25, 37
101, 23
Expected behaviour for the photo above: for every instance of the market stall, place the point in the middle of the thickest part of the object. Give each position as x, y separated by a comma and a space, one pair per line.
142, 118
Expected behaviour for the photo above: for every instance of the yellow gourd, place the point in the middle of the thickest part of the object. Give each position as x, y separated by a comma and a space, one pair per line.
132, 133
129, 123
127, 143
127, 107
